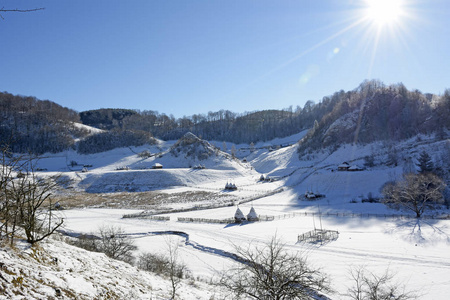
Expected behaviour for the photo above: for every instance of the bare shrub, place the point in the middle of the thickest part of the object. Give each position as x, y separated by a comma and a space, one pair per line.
155, 263
370, 286
144, 154
116, 244
271, 272
168, 265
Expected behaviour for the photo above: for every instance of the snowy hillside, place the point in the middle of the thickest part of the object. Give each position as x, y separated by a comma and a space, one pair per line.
124, 169
56, 270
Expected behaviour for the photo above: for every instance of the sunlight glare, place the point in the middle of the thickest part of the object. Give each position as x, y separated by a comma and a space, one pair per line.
384, 12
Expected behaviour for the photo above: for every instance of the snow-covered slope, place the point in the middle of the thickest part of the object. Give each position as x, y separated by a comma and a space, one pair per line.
90, 129
55, 270
123, 169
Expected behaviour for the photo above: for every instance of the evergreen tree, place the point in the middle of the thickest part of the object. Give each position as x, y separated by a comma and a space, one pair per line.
425, 163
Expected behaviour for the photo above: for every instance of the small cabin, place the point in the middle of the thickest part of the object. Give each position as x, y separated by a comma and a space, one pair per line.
262, 178
157, 166
309, 195
344, 166
239, 216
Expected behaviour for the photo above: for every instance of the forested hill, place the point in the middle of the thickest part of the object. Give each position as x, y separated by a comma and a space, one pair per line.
371, 112
375, 112
39, 126
223, 125
31, 125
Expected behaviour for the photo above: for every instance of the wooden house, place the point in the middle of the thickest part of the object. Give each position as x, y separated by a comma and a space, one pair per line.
344, 166
157, 166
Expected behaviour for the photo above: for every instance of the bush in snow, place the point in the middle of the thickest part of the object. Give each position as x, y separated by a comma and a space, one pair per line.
116, 244
368, 285
415, 192
272, 272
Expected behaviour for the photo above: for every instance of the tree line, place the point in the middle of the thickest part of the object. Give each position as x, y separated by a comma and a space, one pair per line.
38, 126
376, 112
373, 111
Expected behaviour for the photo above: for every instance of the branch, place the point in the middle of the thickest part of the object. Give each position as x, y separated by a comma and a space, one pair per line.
19, 10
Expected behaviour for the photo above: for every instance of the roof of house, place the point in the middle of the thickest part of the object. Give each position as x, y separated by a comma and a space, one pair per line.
355, 167
344, 165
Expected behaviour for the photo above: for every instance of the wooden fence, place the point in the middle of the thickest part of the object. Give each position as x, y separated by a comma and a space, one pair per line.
318, 236
203, 220
358, 215
222, 221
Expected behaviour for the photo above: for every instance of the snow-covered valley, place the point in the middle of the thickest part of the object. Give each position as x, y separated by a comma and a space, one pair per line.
370, 234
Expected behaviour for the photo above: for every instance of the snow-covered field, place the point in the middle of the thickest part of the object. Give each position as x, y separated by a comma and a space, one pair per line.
418, 251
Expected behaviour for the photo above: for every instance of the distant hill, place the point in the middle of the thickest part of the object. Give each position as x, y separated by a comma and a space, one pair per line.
371, 112
38, 126
28, 124
375, 112
222, 125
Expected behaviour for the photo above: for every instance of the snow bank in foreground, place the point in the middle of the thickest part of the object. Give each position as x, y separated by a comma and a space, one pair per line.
55, 269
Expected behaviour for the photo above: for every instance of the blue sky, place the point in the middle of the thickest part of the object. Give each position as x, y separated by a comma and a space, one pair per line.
185, 57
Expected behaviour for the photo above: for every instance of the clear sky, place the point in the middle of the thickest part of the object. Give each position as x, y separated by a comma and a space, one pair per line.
185, 57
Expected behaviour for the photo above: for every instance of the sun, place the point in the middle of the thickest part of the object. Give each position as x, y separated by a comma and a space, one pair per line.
384, 12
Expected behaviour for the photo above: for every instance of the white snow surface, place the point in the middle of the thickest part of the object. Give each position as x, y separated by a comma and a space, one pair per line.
418, 251
51, 267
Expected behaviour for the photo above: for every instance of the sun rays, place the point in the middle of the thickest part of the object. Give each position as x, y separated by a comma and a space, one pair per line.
384, 12
372, 24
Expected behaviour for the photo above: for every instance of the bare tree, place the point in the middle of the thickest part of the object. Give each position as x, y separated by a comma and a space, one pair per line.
233, 151
370, 286
31, 199
7, 212
168, 264
271, 272
415, 192
116, 244
26, 200
175, 268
